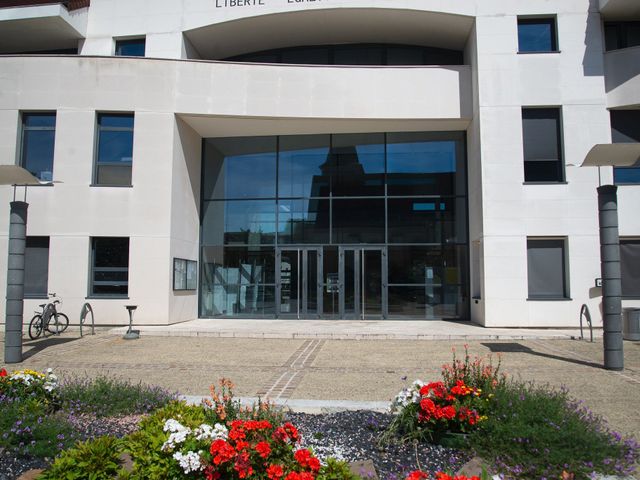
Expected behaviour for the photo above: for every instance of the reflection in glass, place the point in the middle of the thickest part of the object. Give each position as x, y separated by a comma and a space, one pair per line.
420, 220
115, 149
331, 301
536, 35
424, 164
303, 221
240, 168
372, 282
358, 221
428, 265
237, 280
300, 191
356, 165
427, 302
290, 284
302, 169
38, 140
110, 275
246, 222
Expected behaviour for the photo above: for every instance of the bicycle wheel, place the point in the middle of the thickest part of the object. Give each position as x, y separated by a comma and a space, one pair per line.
35, 327
58, 324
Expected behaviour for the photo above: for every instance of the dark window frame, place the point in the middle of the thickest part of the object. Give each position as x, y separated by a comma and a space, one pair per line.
620, 30
560, 162
124, 42
626, 294
92, 269
96, 162
550, 20
24, 128
183, 284
563, 241
625, 127
385, 50
27, 264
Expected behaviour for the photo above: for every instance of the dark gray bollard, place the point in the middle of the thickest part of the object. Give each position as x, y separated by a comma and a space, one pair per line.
15, 282
611, 277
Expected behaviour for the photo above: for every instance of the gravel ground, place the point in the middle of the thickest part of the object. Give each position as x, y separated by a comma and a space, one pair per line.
350, 436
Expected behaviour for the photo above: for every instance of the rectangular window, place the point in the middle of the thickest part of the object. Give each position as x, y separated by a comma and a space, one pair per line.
36, 267
37, 145
625, 128
134, 47
619, 35
114, 149
542, 137
546, 267
110, 266
184, 274
630, 267
537, 35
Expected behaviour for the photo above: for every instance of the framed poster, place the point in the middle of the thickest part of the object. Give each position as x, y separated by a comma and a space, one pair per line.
192, 275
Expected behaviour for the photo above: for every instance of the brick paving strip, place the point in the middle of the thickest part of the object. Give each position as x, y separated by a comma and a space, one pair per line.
285, 381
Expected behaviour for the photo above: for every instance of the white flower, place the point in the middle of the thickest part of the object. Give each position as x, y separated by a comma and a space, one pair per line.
49, 370
172, 425
189, 462
178, 434
207, 432
406, 396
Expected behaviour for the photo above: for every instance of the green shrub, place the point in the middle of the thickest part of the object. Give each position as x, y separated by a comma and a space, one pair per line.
97, 459
145, 445
109, 396
336, 470
536, 431
29, 428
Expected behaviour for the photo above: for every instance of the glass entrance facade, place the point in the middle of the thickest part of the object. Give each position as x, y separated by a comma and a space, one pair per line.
350, 226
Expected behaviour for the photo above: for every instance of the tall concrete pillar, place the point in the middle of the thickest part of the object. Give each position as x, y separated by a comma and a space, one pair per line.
15, 282
611, 277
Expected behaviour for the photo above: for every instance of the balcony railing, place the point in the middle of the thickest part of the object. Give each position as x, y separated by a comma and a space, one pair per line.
68, 4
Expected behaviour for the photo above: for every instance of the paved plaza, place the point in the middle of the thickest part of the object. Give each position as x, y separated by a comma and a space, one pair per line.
322, 371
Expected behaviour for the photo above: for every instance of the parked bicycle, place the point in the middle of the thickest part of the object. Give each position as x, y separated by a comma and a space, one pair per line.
50, 320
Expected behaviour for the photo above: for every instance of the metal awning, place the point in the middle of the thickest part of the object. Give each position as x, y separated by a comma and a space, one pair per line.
613, 155
16, 175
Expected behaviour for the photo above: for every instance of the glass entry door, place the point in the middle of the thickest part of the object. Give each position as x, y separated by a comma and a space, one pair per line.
299, 282
363, 283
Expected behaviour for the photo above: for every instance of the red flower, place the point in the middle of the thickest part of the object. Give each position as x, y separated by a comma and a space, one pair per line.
275, 472
302, 456
306, 460
314, 464
3, 373
299, 476
222, 452
263, 449
241, 445
291, 431
210, 474
280, 435
243, 465
448, 412
428, 409
417, 475
461, 389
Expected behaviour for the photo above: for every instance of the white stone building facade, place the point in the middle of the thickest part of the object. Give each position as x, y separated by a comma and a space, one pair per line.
466, 122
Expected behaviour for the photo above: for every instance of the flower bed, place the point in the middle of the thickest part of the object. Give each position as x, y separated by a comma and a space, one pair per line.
526, 431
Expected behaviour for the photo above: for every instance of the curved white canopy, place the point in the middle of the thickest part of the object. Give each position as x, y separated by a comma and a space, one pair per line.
613, 155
